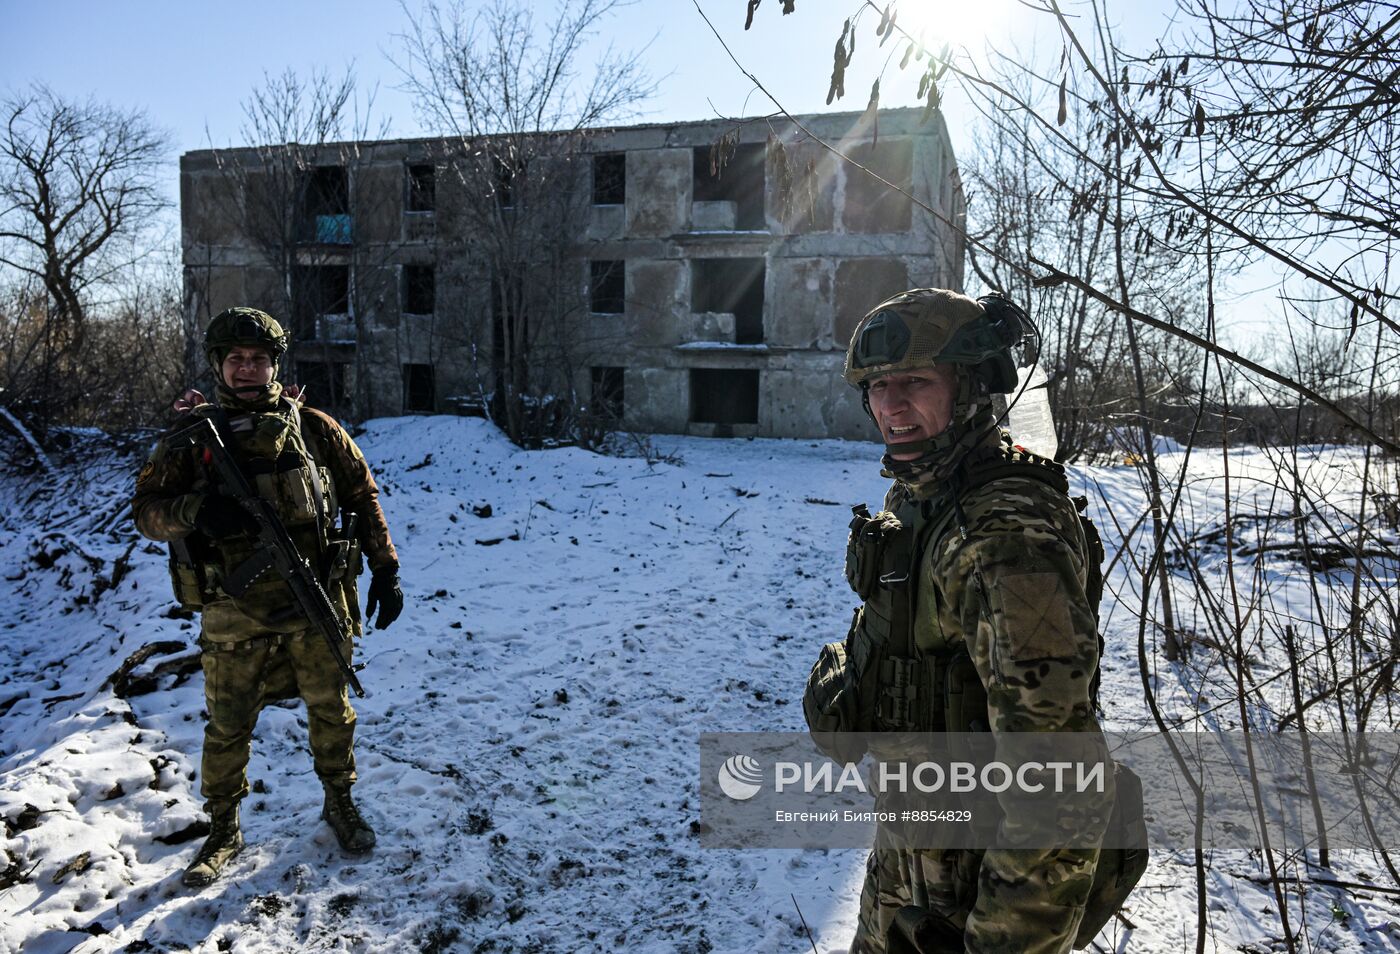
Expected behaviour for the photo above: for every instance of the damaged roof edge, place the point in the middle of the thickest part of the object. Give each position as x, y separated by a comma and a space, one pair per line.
895, 121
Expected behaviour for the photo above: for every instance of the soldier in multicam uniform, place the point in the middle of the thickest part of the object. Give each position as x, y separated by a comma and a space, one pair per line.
978, 561
257, 646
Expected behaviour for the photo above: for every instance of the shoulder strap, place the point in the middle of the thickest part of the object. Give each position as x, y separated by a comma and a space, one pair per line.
1006, 460
311, 461
314, 472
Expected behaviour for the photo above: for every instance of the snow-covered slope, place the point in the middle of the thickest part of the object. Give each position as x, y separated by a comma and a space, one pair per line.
528, 751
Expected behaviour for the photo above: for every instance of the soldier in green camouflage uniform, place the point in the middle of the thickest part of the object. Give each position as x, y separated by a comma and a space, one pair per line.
992, 571
256, 644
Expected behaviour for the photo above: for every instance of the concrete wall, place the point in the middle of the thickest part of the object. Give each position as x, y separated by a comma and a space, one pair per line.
658, 192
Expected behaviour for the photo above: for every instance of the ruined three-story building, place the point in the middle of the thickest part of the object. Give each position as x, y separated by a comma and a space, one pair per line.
705, 280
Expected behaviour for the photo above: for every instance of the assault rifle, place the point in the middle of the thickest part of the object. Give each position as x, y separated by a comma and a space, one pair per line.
276, 551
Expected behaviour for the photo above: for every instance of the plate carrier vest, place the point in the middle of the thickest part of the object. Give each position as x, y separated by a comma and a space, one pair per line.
273, 453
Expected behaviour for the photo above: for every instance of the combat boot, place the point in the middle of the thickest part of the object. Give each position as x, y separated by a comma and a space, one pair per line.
351, 829
225, 840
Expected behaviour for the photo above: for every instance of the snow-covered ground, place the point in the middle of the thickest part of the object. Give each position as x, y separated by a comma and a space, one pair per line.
528, 752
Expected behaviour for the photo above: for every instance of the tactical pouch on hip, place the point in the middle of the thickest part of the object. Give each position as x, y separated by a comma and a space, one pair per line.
831, 705
343, 558
1119, 869
343, 566
188, 578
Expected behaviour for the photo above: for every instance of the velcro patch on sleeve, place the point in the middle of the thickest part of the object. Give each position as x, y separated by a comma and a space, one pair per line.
1036, 622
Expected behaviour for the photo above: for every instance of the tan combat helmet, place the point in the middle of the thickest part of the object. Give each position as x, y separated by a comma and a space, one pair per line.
923, 327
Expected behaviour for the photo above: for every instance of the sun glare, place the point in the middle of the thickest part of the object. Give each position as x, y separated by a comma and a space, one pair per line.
960, 23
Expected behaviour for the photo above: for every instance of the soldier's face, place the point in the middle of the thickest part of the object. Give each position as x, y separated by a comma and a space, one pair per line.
247, 368
913, 405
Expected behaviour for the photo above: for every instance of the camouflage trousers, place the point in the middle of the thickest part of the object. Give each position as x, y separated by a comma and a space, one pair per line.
945, 881
1034, 906
239, 678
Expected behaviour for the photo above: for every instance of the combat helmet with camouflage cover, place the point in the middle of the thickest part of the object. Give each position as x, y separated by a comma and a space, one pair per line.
928, 327
243, 327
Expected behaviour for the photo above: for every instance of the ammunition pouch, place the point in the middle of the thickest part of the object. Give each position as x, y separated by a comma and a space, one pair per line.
906, 698
887, 682
831, 705
242, 572
963, 697
293, 492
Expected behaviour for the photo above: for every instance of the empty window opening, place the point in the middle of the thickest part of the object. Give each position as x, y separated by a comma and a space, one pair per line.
326, 204
607, 288
722, 175
610, 179
607, 392
422, 188
327, 191
723, 396
324, 384
731, 286
319, 291
419, 289
418, 391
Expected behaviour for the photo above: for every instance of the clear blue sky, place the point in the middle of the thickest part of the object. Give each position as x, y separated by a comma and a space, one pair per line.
190, 64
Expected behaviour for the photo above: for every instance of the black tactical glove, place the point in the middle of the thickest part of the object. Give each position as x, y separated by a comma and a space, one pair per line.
385, 593
219, 517
921, 931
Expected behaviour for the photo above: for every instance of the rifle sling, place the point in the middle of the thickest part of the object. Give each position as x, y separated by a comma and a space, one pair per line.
244, 575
